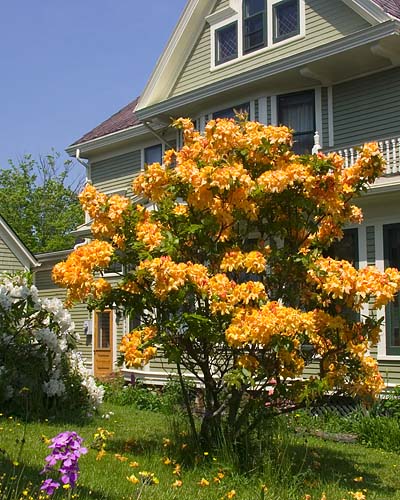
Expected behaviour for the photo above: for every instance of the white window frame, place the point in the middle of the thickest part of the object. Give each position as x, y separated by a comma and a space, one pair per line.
234, 13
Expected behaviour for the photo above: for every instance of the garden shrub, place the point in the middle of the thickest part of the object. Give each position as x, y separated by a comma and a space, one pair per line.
40, 371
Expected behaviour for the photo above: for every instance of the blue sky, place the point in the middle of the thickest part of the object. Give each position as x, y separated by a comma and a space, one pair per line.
68, 65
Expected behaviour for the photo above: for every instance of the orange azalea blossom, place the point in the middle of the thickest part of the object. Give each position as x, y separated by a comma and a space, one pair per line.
340, 280
131, 345
251, 262
107, 211
149, 233
152, 183
247, 361
76, 272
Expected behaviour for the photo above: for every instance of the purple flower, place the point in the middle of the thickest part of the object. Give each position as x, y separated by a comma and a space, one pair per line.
49, 486
66, 449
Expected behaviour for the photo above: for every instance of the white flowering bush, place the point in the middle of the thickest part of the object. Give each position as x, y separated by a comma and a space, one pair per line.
40, 371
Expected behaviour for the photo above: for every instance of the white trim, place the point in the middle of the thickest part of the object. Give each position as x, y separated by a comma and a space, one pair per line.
252, 110
331, 130
318, 113
368, 10
180, 44
213, 36
221, 16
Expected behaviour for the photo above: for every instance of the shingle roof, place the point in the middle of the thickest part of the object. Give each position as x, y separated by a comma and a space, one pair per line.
392, 7
121, 120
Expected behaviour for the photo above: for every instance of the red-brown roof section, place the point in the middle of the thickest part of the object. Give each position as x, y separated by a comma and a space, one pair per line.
121, 120
392, 7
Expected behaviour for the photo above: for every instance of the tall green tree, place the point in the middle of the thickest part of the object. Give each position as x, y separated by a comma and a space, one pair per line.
39, 199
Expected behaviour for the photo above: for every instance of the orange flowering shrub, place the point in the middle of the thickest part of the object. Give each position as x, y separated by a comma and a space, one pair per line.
228, 273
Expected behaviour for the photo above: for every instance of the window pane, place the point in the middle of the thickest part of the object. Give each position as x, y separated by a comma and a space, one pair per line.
254, 25
231, 112
297, 112
252, 7
286, 20
391, 238
104, 331
226, 43
153, 154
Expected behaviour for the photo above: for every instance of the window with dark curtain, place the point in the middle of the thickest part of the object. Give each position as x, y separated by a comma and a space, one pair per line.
297, 111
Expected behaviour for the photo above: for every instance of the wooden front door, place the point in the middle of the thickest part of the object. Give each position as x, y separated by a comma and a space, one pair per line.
103, 343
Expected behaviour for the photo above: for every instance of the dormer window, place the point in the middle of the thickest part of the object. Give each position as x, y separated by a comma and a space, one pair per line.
286, 19
246, 27
254, 25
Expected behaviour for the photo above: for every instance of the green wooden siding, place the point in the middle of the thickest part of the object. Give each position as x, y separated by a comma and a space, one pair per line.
325, 22
115, 174
390, 371
8, 261
367, 108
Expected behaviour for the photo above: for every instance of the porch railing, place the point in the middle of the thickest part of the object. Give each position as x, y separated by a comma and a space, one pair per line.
390, 148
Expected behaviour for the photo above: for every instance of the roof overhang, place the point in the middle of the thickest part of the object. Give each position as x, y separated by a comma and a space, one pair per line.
367, 51
368, 10
20, 251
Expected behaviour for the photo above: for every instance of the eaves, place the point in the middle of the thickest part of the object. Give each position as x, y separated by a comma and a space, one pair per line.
359, 39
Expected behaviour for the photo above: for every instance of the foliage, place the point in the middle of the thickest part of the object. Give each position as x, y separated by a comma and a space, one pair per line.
294, 467
40, 202
390, 404
227, 271
166, 399
40, 371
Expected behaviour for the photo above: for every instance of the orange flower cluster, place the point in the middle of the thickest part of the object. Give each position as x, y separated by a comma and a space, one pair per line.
107, 211
168, 276
251, 262
153, 183
149, 232
338, 279
133, 345
77, 272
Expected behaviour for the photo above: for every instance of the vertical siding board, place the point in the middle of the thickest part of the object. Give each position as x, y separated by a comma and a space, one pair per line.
367, 108
325, 22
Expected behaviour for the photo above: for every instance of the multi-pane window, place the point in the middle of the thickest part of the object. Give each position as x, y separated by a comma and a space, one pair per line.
226, 43
286, 19
153, 154
297, 111
391, 245
232, 112
254, 25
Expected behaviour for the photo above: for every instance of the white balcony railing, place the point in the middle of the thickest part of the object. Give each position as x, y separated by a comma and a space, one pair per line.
390, 148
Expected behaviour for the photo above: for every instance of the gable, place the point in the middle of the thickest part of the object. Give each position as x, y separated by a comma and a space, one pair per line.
14, 256
325, 21
8, 261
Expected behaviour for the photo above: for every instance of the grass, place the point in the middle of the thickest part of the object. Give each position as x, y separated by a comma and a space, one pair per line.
292, 467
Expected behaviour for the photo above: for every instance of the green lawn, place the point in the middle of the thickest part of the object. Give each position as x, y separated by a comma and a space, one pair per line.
296, 466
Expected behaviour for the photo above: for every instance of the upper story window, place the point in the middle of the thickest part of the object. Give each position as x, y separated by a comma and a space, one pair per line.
153, 154
254, 25
286, 19
226, 47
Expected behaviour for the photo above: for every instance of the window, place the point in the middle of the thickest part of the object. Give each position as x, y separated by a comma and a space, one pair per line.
226, 43
346, 248
254, 25
231, 112
297, 111
391, 246
286, 19
153, 154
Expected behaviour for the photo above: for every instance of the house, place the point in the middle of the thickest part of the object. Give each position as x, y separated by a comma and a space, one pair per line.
325, 66
14, 255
